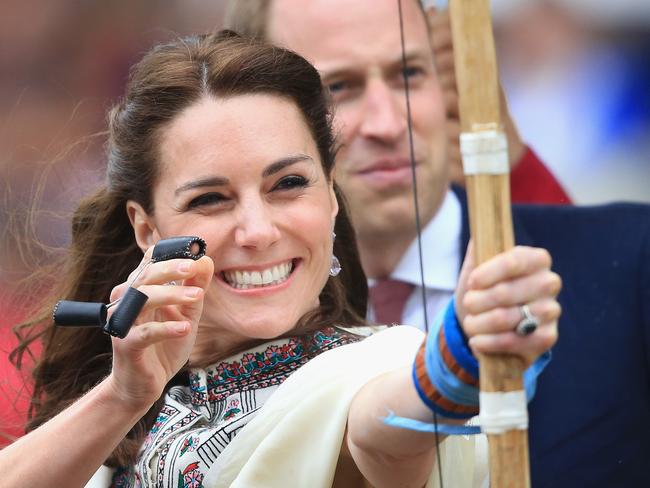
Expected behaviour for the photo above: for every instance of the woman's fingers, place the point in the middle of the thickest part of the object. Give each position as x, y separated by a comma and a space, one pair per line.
201, 272
527, 347
182, 301
165, 272
492, 303
160, 295
514, 292
518, 261
187, 271
505, 319
150, 333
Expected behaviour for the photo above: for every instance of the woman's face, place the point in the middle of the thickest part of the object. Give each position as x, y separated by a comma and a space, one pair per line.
244, 174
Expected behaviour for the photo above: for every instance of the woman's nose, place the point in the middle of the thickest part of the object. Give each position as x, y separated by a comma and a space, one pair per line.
256, 228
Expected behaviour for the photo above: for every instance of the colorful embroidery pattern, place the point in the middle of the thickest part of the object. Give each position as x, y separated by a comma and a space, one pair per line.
191, 477
231, 410
190, 444
261, 369
199, 420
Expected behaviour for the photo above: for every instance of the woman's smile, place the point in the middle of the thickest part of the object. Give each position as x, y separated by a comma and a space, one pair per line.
259, 277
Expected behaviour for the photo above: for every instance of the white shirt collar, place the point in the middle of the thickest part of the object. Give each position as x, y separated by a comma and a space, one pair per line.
440, 249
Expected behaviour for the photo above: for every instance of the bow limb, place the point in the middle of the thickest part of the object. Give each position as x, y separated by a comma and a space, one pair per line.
487, 181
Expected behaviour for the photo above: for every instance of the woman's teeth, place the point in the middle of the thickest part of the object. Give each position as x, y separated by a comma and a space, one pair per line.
244, 280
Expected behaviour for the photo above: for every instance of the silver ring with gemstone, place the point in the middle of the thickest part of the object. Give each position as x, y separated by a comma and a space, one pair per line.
528, 324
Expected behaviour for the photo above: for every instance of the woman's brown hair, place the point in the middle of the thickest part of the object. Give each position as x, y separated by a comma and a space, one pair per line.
103, 250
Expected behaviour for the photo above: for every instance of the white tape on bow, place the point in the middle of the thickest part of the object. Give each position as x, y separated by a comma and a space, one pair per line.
484, 152
501, 412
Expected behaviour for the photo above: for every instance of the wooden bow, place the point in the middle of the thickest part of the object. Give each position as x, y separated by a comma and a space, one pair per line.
489, 211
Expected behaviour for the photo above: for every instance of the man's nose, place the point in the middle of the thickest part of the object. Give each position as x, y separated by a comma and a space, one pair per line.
384, 113
256, 228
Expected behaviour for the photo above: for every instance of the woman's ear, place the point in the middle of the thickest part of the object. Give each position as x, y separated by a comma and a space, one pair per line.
146, 233
333, 190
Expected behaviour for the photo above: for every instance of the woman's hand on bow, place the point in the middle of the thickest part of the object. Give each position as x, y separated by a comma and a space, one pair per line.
490, 297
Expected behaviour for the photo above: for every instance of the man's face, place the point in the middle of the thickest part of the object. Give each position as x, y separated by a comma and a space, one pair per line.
356, 48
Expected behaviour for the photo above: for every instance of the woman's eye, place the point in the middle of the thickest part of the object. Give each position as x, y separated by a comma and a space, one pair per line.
206, 199
291, 182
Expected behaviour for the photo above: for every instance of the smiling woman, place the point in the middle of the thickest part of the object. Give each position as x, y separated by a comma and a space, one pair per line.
257, 193
252, 366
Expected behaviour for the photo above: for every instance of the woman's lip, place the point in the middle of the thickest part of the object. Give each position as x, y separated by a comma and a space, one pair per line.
258, 267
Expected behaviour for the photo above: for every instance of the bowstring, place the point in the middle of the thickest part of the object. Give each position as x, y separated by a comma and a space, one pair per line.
418, 225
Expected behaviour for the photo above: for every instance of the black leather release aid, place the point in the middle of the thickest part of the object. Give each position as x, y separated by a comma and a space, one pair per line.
127, 311
79, 314
190, 247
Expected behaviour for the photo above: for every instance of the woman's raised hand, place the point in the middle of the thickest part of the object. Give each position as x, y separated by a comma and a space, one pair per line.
490, 297
162, 337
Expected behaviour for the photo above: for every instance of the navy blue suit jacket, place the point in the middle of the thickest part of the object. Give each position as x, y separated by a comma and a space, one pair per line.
590, 418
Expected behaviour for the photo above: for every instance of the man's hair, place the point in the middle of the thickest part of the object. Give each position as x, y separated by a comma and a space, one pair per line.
250, 18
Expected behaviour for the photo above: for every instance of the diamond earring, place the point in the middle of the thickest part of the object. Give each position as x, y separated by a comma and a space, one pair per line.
335, 267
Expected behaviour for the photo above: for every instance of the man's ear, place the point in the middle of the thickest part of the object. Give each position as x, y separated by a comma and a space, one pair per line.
146, 233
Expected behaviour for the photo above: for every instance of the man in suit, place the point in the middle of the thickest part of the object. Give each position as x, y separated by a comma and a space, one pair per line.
590, 418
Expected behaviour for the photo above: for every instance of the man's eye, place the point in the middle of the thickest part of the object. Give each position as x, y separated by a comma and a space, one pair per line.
411, 71
290, 182
206, 199
337, 87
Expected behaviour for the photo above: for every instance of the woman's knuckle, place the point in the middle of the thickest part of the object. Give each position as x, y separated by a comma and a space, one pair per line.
469, 325
553, 283
501, 293
512, 262
545, 257
549, 335
501, 317
469, 301
145, 333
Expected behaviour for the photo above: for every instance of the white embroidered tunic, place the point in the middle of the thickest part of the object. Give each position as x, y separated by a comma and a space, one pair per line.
199, 420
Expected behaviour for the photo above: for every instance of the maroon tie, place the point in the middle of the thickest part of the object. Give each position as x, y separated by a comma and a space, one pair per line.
387, 298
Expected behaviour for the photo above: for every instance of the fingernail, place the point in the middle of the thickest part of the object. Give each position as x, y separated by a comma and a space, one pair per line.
182, 327
191, 292
184, 266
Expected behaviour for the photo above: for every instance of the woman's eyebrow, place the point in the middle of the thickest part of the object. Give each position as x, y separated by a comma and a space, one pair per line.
280, 164
202, 182
271, 169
